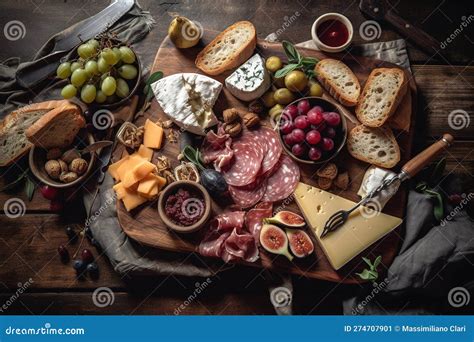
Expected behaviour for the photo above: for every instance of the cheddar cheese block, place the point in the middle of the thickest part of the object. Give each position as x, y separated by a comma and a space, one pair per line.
153, 135
361, 230
139, 171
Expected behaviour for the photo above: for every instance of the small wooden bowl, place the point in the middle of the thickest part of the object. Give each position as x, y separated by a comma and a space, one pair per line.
37, 159
190, 186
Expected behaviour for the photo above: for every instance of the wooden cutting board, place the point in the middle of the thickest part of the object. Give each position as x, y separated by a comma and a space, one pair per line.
145, 225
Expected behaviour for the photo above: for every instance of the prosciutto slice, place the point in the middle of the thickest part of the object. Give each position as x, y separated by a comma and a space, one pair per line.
240, 246
255, 216
216, 149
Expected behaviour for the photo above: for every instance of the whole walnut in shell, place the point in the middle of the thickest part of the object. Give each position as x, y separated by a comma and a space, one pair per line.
70, 155
53, 168
78, 166
54, 153
68, 177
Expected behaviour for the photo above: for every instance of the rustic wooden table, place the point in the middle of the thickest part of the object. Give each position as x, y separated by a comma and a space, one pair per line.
28, 244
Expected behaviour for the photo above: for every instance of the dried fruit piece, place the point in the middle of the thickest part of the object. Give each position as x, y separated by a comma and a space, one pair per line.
287, 219
324, 183
274, 240
342, 180
300, 243
328, 171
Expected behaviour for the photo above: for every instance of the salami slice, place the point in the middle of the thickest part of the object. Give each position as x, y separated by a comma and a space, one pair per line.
273, 148
283, 181
247, 162
248, 195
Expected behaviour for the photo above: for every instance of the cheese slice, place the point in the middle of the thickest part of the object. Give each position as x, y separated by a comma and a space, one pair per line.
358, 233
139, 171
128, 164
250, 81
132, 199
153, 135
187, 99
113, 168
149, 186
145, 152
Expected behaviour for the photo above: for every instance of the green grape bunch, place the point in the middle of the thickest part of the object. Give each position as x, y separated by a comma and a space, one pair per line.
103, 72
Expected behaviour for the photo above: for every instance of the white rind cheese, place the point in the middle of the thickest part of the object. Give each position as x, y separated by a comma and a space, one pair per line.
187, 99
250, 81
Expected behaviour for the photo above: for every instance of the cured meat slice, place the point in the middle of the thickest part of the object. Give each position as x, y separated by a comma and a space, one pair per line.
241, 246
273, 148
253, 219
248, 195
247, 162
213, 245
216, 149
283, 181
228, 221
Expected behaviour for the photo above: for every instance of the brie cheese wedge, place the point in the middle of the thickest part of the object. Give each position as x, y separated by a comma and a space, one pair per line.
373, 177
250, 81
187, 99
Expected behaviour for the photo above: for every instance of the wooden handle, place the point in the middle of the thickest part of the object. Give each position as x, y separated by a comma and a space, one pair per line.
422, 39
412, 167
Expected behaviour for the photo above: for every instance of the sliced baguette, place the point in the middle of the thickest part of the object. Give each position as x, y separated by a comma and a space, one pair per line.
13, 141
383, 92
374, 145
339, 81
57, 128
229, 49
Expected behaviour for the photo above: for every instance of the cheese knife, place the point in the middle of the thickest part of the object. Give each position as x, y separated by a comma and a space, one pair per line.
40, 69
377, 9
409, 170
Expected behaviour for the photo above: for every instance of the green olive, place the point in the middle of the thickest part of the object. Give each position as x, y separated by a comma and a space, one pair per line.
278, 108
279, 82
283, 96
273, 63
315, 89
268, 99
296, 80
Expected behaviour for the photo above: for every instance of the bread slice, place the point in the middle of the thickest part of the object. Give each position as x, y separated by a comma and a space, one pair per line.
57, 128
374, 145
339, 81
13, 141
229, 49
383, 92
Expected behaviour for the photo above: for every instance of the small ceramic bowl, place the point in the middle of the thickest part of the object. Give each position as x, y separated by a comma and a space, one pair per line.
339, 142
192, 187
332, 16
37, 159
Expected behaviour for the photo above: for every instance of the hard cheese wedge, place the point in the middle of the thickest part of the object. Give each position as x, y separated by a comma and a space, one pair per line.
153, 135
354, 236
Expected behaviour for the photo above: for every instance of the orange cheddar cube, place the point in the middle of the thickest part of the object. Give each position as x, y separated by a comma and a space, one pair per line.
139, 171
145, 152
153, 135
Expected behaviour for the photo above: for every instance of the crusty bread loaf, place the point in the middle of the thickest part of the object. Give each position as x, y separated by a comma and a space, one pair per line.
13, 141
383, 92
229, 49
57, 128
375, 145
338, 80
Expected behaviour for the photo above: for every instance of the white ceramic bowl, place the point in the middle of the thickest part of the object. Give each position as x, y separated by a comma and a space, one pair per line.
334, 16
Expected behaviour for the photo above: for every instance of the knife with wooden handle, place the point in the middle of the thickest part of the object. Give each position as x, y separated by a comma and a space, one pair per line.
377, 9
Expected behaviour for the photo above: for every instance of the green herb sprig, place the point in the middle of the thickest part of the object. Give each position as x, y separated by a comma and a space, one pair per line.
371, 272
296, 61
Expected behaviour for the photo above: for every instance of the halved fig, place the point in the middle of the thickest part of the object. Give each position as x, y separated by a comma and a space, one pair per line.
287, 219
300, 243
274, 240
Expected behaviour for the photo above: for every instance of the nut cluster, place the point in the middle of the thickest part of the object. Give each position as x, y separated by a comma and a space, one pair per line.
235, 117
65, 167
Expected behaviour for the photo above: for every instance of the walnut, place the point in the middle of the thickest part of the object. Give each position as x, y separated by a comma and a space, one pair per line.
78, 166
54, 153
63, 165
256, 107
251, 120
324, 183
233, 129
230, 115
70, 155
53, 168
68, 177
